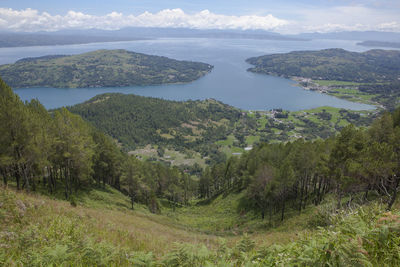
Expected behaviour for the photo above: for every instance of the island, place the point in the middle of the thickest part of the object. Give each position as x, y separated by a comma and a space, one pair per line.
369, 77
101, 68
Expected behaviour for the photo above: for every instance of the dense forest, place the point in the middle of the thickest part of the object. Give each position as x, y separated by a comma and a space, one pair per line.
137, 121
101, 68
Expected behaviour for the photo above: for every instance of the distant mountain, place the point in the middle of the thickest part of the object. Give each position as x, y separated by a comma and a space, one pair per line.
101, 68
67, 37
141, 32
353, 35
8, 39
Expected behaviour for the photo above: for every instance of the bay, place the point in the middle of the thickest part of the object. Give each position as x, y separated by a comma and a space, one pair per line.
228, 82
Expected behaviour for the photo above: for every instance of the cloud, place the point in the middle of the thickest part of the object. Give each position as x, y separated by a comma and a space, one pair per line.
345, 18
32, 20
312, 19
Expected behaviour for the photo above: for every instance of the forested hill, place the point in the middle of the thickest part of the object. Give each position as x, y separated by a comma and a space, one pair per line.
136, 120
332, 64
148, 126
101, 68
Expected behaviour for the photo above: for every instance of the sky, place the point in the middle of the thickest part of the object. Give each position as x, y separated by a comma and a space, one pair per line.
284, 16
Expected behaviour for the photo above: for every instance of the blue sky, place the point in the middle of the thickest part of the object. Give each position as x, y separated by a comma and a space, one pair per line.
281, 16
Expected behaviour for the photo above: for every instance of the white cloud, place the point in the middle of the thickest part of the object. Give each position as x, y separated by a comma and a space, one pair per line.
345, 18
339, 18
33, 20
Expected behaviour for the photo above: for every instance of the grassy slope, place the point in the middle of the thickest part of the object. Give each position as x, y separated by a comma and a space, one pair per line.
105, 214
102, 230
101, 216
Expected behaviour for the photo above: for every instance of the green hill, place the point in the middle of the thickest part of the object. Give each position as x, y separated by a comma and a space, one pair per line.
191, 132
101, 68
137, 120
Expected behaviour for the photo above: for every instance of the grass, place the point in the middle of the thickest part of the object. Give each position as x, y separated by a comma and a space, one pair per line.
337, 83
353, 95
103, 230
230, 139
37, 230
176, 158
250, 140
94, 218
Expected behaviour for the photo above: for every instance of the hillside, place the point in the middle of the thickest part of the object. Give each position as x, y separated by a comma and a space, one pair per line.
101, 68
368, 77
185, 133
38, 230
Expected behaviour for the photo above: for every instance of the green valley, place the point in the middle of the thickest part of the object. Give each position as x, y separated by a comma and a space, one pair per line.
101, 68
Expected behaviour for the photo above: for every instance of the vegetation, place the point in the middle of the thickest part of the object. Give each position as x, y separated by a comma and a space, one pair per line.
37, 231
204, 131
63, 154
181, 126
293, 175
101, 68
332, 70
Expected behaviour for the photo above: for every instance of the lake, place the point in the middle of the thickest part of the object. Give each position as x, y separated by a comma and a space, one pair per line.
228, 82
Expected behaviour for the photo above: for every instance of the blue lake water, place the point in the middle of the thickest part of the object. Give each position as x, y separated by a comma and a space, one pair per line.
228, 82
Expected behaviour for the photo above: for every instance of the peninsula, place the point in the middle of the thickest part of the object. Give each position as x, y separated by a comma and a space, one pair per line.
369, 77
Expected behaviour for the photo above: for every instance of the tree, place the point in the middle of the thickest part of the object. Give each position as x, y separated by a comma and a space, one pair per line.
261, 189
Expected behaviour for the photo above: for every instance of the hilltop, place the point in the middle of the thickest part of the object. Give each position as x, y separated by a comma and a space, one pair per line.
101, 68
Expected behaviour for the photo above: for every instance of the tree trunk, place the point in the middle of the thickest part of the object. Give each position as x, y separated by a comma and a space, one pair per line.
132, 201
283, 210
394, 195
270, 215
